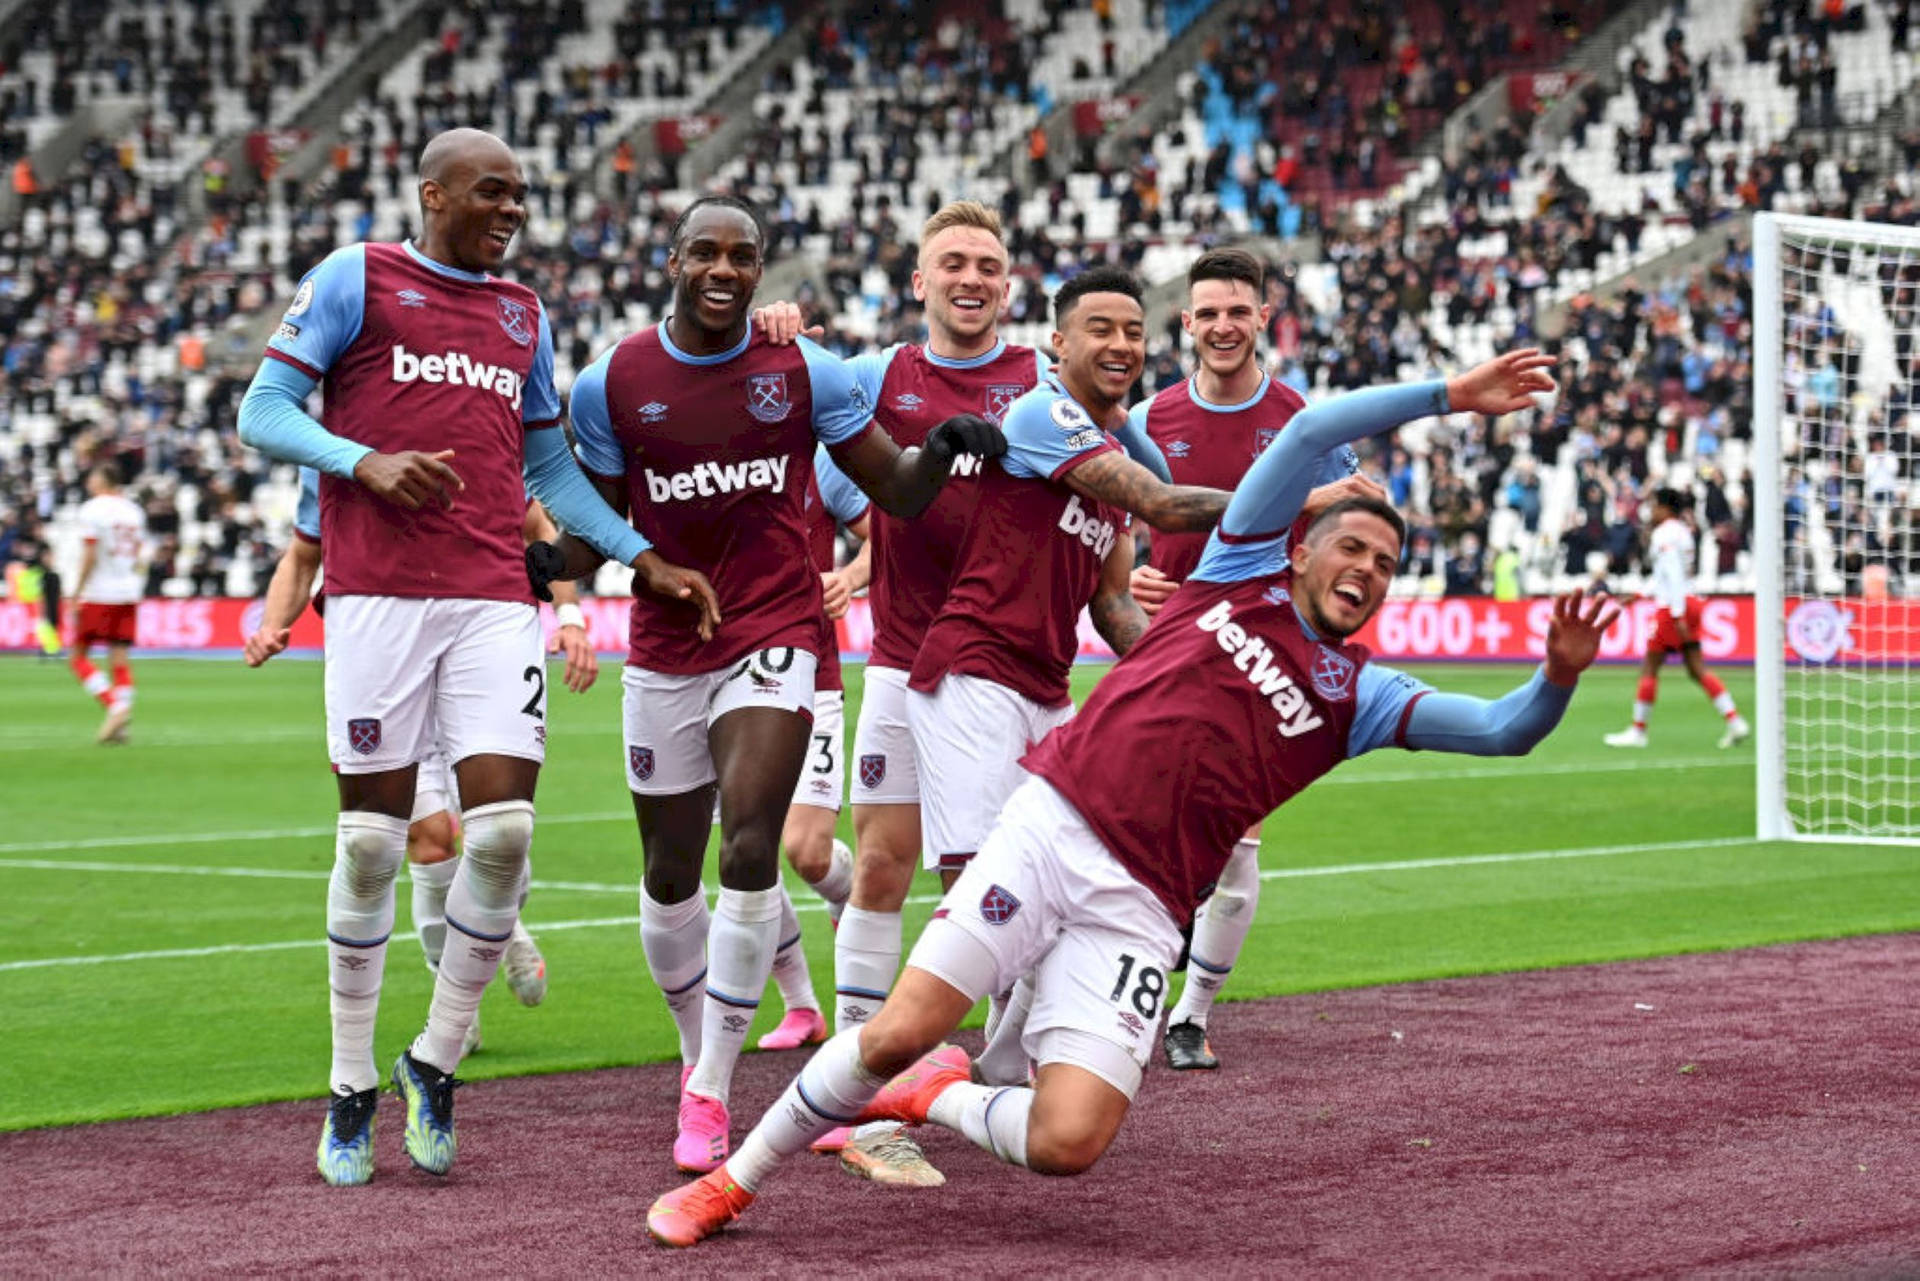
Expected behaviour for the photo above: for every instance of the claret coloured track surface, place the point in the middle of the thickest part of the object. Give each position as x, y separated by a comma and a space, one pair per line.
1749, 1113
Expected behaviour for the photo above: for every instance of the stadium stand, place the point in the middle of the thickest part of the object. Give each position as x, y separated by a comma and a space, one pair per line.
134, 314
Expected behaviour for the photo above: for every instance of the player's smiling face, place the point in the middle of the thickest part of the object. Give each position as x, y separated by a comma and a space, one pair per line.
475, 211
1225, 319
1103, 346
962, 279
1342, 572
715, 267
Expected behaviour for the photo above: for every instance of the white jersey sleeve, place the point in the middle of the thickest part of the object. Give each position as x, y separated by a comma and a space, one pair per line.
116, 529
1672, 566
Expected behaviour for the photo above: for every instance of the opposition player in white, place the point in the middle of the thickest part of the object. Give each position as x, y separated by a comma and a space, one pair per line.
1677, 626
440, 413
818, 857
433, 828
1210, 428
107, 590
1250, 686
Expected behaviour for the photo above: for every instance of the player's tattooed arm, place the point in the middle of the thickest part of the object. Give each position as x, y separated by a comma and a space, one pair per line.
1114, 478
904, 481
1113, 611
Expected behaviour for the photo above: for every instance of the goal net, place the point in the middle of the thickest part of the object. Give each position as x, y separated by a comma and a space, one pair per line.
1836, 535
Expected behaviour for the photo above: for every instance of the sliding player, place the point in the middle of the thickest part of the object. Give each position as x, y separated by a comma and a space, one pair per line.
1251, 689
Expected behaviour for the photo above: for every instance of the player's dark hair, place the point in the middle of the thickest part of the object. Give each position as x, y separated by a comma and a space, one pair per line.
1228, 264
108, 473
1360, 503
1095, 280
746, 207
1674, 500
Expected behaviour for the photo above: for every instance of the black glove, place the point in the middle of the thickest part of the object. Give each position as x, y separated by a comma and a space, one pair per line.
544, 564
965, 434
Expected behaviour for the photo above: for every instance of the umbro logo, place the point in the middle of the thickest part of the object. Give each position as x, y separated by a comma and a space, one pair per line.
485, 953
411, 298
652, 412
1178, 449
907, 402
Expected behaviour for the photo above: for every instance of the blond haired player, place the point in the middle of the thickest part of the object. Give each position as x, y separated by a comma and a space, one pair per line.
113, 539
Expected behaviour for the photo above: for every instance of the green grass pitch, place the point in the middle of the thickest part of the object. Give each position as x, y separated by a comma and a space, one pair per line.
161, 904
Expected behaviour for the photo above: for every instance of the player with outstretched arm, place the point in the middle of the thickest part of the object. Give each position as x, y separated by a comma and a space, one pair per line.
1250, 687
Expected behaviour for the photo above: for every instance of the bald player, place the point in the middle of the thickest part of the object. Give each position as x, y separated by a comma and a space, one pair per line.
440, 412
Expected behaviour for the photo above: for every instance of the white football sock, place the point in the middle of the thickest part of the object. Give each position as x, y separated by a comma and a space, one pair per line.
482, 906
831, 1090
1004, 1059
1723, 704
994, 1117
367, 853
740, 947
837, 882
790, 970
1219, 932
674, 938
431, 881
866, 957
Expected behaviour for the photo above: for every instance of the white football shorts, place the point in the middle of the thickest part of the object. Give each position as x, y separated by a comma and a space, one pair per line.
666, 717
1044, 896
970, 734
435, 788
406, 678
886, 771
823, 780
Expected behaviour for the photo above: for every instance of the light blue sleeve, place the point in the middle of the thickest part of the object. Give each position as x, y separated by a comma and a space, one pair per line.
1140, 447
306, 517
326, 312
841, 406
1506, 726
570, 498
540, 402
1381, 697
841, 497
1336, 465
600, 450
274, 420
1251, 540
869, 369
1047, 433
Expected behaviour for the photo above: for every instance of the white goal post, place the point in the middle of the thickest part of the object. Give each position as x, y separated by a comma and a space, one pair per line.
1836, 533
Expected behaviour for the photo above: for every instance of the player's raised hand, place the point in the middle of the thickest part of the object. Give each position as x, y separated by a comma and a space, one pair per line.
1502, 385
1150, 589
838, 594
663, 578
1573, 637
411, 478
583, 665
265, 643
1325, 496
966, 434
783, 321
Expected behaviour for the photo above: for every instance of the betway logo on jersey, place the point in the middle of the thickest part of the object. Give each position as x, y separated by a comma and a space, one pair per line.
1261, 666
457, 369
708, 479
1077, 522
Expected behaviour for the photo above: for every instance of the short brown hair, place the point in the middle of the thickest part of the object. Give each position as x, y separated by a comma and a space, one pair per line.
1228, 264
962, 213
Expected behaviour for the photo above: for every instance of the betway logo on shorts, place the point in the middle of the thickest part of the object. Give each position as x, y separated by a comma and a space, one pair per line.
709, 479
459, 370
1077, 522
1261, 666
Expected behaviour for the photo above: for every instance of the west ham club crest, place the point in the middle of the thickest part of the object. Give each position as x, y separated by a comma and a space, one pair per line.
767, 397
997, 906
640, 761
516, 320
1333, 673
873, 769
363, 735
1263, 437
1000, 398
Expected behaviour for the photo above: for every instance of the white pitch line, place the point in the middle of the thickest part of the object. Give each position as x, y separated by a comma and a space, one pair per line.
814, 905
1352, 778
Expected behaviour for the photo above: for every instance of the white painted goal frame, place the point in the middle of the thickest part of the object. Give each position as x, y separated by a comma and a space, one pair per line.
1837, 734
